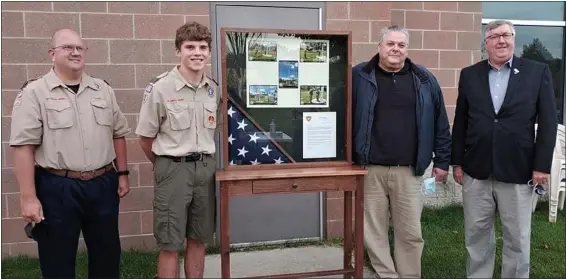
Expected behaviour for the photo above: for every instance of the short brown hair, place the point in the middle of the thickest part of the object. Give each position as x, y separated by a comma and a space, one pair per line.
192, 31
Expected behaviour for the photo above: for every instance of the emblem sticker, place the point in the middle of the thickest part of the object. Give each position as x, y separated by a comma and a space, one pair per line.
210, 92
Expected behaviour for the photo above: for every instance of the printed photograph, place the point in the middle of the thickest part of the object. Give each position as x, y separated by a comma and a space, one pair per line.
314, 95
262, 51
313, 52
263, 95
288, 74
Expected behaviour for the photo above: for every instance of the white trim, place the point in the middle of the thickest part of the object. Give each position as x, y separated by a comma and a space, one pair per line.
529, 22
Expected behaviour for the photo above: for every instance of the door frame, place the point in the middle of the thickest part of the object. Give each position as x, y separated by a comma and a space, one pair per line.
321, 6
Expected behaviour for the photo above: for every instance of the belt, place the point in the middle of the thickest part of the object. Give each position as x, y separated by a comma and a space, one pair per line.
193, 157
82, 175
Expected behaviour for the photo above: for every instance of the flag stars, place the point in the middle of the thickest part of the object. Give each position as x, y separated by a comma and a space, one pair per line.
266, 150
255, 162
231, 111
231, 139
242, 125
278, 160
242, 152
253, 138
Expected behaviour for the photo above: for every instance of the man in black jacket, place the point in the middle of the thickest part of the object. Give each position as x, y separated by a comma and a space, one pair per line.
494, 151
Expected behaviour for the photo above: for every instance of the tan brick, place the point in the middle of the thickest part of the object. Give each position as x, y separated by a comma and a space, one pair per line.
334, 209
415, 39
13, 76
146, 174
375, 28
13, 205
97, 51
334, 229
6, 122
441, 6
477, 22
129, 223
402, 5
43, 25
456, 21
427, 58
107, 26
134, 7
134, 51
422, 20
337, 10
145, 73
450, 110
446, 78
12, 24
455, 59
119, 76
450, 95
9, 182
134, 171
138, 199
129, 100
138, 242
8, 98
469, 40
204, 20
398, 18
147, 222
360, 29
370, 10
7, 155
24, 249
133, 123
36, 71
184, 8
157, 26
25, 50
168, 52
5, 251
470, 6
477, 56
363, 52
439, 40
135, 153
13, 230
334, 195
26, 6
80, 7
4, 207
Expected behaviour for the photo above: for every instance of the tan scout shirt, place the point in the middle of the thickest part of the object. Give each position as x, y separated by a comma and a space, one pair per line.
73, 131
181, 118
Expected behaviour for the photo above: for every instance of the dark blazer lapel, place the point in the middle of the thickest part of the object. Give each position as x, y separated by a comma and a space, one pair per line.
484, 84
514, 78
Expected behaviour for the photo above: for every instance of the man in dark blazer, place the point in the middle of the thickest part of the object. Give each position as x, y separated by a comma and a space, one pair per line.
495, 153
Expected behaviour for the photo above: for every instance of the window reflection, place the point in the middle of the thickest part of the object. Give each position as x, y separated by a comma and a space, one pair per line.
524, 10
543, 44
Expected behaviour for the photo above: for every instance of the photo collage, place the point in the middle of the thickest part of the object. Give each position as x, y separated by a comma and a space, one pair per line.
287, 73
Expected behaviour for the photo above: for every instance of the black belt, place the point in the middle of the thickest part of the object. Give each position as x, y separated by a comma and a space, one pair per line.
189, 158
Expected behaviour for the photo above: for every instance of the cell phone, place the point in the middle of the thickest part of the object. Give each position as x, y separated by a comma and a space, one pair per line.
29, 229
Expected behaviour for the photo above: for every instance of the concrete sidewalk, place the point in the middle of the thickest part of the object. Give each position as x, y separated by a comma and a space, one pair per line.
278, 261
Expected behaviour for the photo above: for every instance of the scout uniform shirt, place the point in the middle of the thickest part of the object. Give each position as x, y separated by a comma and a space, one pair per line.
181, 118
74, 131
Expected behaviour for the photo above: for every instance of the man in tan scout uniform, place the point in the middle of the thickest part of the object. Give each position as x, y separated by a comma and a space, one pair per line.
177, 124
67, 129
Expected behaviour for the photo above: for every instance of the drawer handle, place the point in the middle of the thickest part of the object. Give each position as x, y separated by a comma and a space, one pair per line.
294, 186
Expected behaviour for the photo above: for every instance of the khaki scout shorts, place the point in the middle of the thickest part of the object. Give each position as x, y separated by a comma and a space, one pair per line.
184, 202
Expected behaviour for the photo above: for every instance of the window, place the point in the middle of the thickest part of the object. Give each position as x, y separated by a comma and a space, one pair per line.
540, 36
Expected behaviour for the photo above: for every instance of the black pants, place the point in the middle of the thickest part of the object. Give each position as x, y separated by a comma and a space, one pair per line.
69, 206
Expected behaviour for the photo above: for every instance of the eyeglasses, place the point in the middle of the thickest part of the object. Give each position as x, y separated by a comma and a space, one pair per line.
69, 48
506, 36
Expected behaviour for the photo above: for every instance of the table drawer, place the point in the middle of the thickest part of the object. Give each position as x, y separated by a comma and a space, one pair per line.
292, 185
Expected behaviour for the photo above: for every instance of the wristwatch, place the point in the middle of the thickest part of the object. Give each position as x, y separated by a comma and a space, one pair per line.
125, 172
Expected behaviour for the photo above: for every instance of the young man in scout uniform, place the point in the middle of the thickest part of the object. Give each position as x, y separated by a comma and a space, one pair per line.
177, 125
67, 129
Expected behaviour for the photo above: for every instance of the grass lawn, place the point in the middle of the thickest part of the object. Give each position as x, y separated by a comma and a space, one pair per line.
444, 252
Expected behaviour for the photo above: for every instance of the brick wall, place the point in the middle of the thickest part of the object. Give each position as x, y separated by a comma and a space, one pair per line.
444, 36
130, 42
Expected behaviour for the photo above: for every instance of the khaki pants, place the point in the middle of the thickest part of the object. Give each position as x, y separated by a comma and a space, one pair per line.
395, 191
481, 199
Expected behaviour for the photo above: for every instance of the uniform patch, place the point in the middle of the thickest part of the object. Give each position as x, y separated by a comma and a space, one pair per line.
149, 88
210, 119
97, 86
210, 92
145, 97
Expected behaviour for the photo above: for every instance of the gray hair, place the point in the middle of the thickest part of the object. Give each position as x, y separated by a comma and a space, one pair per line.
496, 23
394, 28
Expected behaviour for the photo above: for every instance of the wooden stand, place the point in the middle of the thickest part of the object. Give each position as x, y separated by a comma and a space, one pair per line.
317, 179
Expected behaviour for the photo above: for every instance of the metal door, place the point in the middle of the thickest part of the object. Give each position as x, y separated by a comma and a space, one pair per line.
269, 218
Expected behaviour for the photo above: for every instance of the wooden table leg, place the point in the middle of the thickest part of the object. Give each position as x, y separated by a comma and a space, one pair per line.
359, 256
225, 231
348, 231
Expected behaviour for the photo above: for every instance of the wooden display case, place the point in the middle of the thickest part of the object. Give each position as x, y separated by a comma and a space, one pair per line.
286, 98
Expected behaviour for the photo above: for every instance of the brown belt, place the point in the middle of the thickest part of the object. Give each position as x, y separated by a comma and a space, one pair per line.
82, 175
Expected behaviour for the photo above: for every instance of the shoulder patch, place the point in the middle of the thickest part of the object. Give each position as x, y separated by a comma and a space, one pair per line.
149, 87
28, 81
106, 82
215, 82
